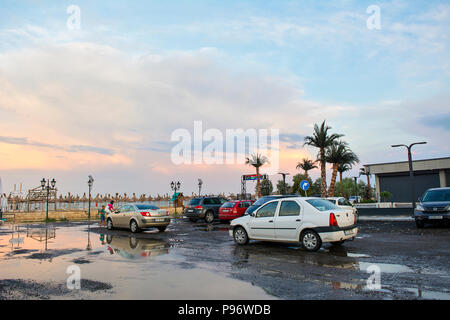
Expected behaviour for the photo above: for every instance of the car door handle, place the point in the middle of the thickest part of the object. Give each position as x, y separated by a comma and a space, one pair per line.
298, 220
270, 220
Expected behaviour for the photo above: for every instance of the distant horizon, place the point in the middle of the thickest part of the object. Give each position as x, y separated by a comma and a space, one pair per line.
100, 88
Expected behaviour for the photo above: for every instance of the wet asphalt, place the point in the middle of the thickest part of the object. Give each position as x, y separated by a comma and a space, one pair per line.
200, 261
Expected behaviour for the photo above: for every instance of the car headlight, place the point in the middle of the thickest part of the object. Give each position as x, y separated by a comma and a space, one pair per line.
419, 207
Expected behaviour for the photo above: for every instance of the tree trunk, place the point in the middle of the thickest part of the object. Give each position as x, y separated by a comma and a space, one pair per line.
340, 183
369, 193
323, 175
258, 185
333, 180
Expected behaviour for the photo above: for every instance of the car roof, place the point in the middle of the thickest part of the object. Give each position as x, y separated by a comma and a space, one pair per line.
444, 188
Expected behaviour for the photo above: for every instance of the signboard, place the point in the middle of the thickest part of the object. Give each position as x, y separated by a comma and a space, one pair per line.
252, 177
304, 185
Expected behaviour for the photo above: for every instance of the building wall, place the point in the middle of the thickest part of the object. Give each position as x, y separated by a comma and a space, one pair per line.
398, 184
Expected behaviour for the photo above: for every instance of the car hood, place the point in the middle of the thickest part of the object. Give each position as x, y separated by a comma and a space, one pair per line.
435, 204
240, 220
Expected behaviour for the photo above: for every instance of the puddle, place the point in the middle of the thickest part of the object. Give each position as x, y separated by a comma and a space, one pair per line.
112, 267
386, 267
427, 294
357, 255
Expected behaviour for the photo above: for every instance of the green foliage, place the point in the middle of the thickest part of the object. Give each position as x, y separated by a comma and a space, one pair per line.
266, 187
349, 188
280, 186
385, 195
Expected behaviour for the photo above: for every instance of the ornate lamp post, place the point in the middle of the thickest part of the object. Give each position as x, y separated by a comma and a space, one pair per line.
175, 186
200, 183
48, 185
411, 171
90, 183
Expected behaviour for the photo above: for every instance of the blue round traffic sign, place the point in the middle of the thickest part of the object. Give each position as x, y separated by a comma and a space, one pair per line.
304, 185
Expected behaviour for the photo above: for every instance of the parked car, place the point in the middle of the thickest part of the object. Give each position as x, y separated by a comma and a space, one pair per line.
234, 209
308, 221
433, 206
204, 208
138, 216
343, 203
258, 203
354, 199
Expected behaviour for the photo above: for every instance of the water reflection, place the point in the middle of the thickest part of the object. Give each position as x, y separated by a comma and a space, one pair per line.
132, 247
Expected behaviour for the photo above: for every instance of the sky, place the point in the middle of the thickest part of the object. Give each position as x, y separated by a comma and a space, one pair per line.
102, 92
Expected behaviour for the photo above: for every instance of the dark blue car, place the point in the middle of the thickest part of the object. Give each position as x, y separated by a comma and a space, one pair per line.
433, 206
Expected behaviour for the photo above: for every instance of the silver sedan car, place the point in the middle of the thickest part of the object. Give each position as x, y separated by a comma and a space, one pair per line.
138, 216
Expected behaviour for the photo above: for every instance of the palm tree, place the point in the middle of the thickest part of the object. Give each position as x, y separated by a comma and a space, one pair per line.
322, 140
342, 167
257, 161
306, 165
338, 153
366, 172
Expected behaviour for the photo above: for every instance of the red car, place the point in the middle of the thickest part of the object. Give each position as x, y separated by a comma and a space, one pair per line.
234, 209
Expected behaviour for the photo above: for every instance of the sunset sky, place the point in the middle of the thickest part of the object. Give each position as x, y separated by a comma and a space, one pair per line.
105, 98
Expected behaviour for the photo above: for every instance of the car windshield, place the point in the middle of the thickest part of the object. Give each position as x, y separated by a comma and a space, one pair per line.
194, 202
228, 205
146, 207
322, 204
437, 195
263, 200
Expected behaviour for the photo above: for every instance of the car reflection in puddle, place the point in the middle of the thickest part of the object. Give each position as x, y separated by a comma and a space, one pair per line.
133, 248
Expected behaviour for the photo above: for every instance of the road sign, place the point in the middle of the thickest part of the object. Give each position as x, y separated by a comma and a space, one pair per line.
304, 185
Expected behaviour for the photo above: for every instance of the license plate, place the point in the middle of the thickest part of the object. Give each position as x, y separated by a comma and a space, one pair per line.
190, 210
435, 217
159, 220
347, 232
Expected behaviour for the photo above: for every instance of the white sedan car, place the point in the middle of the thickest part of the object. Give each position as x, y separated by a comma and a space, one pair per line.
308, 221
343, 203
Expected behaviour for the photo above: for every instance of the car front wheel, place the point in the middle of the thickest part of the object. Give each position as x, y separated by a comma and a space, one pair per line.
420, 224
109, 224
134, 226
240, 236
162, 229
311, 241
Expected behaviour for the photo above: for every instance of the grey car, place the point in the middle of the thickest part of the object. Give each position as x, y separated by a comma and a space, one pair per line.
136, 216
433, 206
204, 208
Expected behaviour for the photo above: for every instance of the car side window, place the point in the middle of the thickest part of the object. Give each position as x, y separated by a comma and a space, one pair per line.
267, 210
289, 208
207, 201
122, 209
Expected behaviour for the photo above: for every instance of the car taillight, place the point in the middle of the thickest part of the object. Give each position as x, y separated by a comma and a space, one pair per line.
235, 211
167, 213
198, 207
333, 221
146, 214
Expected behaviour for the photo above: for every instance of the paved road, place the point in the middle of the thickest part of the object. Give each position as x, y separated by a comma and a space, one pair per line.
203, 259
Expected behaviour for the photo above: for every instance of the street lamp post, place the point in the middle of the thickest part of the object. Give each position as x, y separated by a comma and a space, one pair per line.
284, 180
200, 183
90, 183
411, 171
175, 186
47, 185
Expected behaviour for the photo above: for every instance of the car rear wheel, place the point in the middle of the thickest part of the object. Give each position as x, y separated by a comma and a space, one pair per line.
162, 229
134, 226
209, 217
240, 236
420, 224
109, 224
311, 241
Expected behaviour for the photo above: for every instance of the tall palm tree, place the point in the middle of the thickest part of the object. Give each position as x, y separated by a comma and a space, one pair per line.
338, 153
306, 165
342, 167
256, 160
322, 140
366, 173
